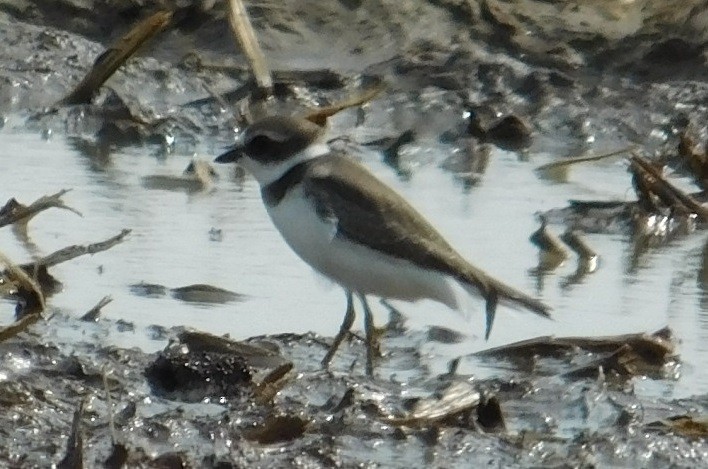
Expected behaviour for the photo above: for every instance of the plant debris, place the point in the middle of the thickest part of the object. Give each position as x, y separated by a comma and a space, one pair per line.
15, 212
94, 313
459, 398
74, 458
627, 355
695, 427
109, 61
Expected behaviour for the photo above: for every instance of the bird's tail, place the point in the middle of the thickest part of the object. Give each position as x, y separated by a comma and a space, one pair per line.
493, 291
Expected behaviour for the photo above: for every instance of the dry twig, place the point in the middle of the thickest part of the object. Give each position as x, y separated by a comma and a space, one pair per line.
319, 116
93, 313
667, 192
18, 326
246, 36
72, 252
583, 159
26, 286
107, 63
14, 212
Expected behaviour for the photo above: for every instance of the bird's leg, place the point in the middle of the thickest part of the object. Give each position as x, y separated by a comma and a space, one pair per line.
371, 346
343, 330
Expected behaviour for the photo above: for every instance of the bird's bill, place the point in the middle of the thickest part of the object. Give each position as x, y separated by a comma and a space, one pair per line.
230, 156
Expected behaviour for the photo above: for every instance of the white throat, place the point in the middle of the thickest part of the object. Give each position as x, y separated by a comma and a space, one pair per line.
267, 173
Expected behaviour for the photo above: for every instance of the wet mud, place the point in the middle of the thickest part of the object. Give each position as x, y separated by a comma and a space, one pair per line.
206, 401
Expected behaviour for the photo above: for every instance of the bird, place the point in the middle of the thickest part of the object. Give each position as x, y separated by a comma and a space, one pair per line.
355, 230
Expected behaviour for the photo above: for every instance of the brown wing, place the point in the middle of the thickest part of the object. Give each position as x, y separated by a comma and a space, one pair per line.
380, 218
369, 212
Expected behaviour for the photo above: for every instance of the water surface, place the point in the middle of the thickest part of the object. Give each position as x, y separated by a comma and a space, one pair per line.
173, 243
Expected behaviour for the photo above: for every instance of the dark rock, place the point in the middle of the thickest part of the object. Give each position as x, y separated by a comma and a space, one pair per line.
672, 50
191, 376
510, 133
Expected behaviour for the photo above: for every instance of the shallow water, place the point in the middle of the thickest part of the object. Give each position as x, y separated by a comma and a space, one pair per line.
490, 223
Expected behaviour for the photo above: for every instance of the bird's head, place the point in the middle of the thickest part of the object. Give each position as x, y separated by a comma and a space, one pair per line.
271, 146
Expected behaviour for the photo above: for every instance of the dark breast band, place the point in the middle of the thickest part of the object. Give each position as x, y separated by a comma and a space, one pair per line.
274, 192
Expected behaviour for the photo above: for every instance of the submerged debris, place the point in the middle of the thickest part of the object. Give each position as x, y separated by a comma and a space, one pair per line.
198, 176
148, 290
201, 293
197, 293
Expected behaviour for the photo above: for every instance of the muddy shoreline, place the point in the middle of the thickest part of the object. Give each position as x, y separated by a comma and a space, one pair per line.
462, 77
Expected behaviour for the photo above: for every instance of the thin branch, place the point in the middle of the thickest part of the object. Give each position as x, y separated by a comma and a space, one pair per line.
26, 286
246, 36
319, 116
671, 191
107, 63
72, 252
22, 324
93, 313
583, 159
14, 212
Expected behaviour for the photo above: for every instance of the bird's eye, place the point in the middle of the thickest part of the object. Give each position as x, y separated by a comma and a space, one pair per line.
259, 145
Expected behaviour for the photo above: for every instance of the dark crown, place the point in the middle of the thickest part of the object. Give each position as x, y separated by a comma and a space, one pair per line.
277, 138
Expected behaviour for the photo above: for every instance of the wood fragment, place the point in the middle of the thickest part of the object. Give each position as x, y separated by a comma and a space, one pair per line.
690, 152
72, 252
694, 427
15, 212
93, 313
319, 116
621, 362
74, 458
584, 159
19, 326
654, 349
27, 288
109, 61
246, 36
668, 192
458, 398
265, 391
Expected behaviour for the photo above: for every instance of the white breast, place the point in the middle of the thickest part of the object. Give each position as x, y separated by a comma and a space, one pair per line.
354, 266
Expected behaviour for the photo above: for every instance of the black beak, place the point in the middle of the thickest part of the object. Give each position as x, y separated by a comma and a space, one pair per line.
230, 156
